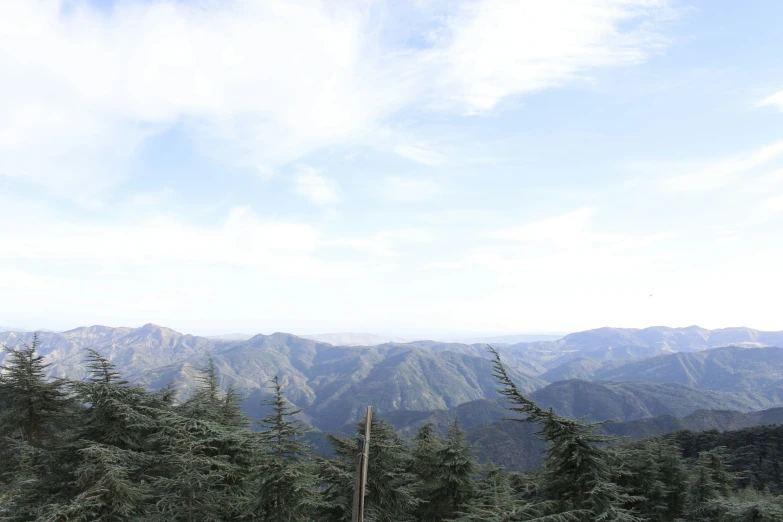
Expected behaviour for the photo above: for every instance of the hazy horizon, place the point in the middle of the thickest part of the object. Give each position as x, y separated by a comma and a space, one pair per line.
405, 334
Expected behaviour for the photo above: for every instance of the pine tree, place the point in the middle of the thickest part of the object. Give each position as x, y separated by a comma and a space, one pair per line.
456, 469
210, 403
391, 487
675, 477
110, 444
31, 404
424, 465
657, 480
710, 486
495, 501
579, 467
203, 456
286, 488
33, 417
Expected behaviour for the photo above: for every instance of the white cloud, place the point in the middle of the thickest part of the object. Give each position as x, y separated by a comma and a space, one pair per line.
385, 243
261, 84
421, 154
409, 189
715, 174
570, 230
315, 187
775, 100
242, 239
500, 48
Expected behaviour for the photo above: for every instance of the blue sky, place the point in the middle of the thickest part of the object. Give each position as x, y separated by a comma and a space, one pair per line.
416, 165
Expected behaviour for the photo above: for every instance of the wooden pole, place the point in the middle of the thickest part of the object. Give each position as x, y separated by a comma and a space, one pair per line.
357, 514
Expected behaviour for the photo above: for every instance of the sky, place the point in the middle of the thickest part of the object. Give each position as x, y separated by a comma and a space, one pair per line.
395, 166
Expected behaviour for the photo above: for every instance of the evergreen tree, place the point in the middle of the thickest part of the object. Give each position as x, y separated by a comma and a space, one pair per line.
675, 477
495, 500
657, 480
111, 446
33, 417
456, 468
210, 403
31, 404
579, 466
391, 487
424, 465
203, 456
710, 486
287, 484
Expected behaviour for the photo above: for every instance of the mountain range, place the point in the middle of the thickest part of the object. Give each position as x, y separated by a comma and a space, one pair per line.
608, 373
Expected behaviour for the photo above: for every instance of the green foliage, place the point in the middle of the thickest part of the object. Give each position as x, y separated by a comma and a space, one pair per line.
287, 485
579, 464
391, 486
31, 405
103, 450
456, 468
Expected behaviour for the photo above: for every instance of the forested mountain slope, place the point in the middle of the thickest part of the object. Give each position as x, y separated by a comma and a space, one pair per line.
334, 383
594, 401
723, 369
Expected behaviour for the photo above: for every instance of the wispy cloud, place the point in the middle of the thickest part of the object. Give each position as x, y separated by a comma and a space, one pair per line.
261, 84
318, 189
775, 100
242, 238
409, 189
420, 154
572, 231
569, 229
715, 174
501, 48
385, 243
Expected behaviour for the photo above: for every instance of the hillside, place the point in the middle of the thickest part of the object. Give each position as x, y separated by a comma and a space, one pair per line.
515, 446
334, 383
594, 401
611, 344
733, 368
354, 339
331, 383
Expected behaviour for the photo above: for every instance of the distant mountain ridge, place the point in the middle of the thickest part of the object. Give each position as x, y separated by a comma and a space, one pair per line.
355, 339
333, 383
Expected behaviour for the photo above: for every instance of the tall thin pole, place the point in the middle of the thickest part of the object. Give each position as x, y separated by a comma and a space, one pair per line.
357, 514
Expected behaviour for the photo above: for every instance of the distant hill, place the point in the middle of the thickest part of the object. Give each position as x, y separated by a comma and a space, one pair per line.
732, 368
594, 401
231, 337
515, 446
507, 339
354, 339
612, 344
579, 368
332, 383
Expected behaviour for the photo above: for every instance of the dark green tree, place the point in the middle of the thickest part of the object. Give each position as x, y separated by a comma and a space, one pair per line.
203, 456
495, 501
111, 444
456, 468
424, 465
286, 487
656, 479
31, 404
33, 422
579, 467
391, 486
710, 487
